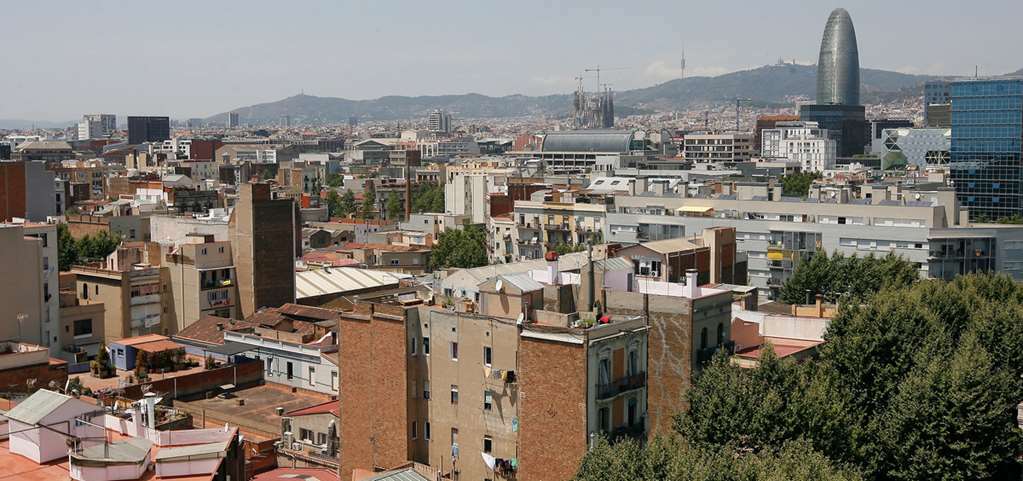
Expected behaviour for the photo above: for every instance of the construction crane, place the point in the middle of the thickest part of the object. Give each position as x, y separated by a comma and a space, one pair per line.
597, 69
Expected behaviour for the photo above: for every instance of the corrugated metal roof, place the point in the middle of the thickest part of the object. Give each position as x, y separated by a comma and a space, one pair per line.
191, 450
522, 281
606, 141
37, 406
342, 279
131, 450
407, 474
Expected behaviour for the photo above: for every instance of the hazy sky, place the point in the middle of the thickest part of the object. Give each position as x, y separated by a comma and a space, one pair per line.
187, 58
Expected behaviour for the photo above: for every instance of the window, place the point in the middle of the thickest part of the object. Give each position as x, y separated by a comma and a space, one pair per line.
454, 350
426, 390
604, 414
488, 400
83, 327
291, 371
426, 430
321, 439
85, 291
269, 365
454, 442
703, 338
488, 444
721, 334
305, 435
312, 376
333, 380
633, 362
454, 394
633, 408
605, 371
487, 355
413, 345
426, 345
415, 434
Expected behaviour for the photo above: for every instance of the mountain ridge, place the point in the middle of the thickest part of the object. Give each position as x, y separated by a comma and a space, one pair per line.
770, 84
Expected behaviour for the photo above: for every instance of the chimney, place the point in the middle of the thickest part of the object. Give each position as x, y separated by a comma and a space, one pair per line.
691, 289
552, 266
819, 304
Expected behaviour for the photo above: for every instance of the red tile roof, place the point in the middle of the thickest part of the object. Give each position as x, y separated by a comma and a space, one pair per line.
205, 329
329, 407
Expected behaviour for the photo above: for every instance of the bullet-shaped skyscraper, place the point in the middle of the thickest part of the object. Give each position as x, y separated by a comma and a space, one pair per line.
838, 67
838, 106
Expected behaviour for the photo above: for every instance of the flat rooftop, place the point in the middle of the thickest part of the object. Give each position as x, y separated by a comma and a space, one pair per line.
258, 416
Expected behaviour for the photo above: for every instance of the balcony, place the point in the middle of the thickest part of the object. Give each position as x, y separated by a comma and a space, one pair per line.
216, 284
636, 430
619, 386
704, 355
147, 299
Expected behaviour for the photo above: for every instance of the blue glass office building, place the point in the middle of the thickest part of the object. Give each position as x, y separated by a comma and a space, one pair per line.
987, 146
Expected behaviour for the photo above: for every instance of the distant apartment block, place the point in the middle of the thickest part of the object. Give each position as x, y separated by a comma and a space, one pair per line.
148, 129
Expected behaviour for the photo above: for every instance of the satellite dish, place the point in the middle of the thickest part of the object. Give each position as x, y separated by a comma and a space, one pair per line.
522, 317
499, 285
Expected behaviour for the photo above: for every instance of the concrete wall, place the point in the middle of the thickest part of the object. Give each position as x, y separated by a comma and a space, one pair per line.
21, 259
473, 378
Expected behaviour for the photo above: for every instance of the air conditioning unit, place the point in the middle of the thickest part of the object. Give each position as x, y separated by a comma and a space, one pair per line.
324, 451
296, 447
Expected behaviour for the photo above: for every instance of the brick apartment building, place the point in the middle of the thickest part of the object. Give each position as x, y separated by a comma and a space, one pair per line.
489, 397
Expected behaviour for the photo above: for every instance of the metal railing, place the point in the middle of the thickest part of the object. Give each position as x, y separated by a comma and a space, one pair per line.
618, 386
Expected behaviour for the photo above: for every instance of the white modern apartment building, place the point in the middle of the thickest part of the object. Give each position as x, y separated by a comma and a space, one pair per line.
96, 126
922, 225
467, 186
803, 142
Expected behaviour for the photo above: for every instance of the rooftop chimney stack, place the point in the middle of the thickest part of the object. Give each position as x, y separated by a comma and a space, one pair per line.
552, 266
692, 288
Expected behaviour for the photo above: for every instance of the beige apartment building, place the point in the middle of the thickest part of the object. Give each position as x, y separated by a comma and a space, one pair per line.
22, 298
130, 289
81, 325
200, 276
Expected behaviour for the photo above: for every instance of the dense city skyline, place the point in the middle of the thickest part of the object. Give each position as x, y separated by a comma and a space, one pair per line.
202, 64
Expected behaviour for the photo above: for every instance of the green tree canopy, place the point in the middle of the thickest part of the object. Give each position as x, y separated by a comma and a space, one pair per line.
460, 248
918, 381
90, 248
797, 185
395, 208
428, 198
674, 459
369, 202
335, 180
840, 275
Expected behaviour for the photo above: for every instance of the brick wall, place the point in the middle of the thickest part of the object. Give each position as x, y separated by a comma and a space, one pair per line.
552, 409
373, 386
12, 190
669, 352
14, 380
243, 374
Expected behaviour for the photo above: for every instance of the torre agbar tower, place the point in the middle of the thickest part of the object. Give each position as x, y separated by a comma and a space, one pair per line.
838, 67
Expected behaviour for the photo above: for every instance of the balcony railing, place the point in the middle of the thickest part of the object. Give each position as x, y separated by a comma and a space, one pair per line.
618, 386
705, 355
636, 430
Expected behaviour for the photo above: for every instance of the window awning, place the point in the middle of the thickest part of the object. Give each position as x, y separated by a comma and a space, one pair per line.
694, 209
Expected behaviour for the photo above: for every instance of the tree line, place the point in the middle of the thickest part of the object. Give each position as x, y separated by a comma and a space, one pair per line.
89, 248
915, 381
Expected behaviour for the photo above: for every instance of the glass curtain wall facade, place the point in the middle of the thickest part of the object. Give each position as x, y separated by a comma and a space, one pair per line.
987, 147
